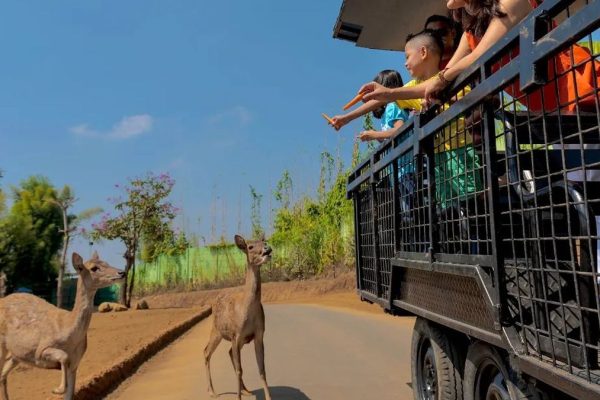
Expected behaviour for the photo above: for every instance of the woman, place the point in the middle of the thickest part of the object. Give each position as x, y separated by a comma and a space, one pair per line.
484, 23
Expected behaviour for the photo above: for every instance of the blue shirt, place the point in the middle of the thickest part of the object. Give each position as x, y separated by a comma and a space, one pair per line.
392, 114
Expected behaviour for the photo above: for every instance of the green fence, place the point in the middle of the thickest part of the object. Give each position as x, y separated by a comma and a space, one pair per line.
110, 293
197, 267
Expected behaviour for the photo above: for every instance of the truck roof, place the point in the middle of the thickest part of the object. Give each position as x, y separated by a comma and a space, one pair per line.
384, 24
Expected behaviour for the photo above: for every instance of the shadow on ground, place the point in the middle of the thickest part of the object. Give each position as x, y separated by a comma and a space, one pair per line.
281, 393
277, 392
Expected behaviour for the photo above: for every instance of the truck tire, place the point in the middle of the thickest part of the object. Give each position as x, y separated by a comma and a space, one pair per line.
487, 377
436, 363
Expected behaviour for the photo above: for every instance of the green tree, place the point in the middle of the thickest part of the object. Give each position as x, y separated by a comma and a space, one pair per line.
161, 239
314, 234
146, 213
326, 174
368, 126
30, 237
284, 191
255, 216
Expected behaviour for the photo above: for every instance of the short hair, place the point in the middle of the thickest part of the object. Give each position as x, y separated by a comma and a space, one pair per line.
389, 78
428, 38
438, 18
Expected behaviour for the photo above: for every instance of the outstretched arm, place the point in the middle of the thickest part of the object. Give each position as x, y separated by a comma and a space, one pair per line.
341, 120
380, 136
375, 91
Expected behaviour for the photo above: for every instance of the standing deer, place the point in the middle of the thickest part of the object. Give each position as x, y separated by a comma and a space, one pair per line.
35, 332
240, 318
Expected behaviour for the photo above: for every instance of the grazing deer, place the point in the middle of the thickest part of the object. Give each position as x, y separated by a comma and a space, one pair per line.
35, 332
240, 318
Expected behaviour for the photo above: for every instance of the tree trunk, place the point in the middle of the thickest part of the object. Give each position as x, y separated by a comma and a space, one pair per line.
123, 292
63, 261
131, 284
61, 273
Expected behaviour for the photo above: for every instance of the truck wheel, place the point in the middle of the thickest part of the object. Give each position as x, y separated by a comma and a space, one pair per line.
487, 377
436, 363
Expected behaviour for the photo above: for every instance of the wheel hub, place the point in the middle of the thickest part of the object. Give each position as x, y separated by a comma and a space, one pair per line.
496, 386
428, 378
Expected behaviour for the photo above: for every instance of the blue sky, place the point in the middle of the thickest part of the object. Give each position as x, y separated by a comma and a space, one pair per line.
220, 94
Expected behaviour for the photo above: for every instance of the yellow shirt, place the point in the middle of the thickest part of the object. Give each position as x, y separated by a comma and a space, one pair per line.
411, 104
453, 136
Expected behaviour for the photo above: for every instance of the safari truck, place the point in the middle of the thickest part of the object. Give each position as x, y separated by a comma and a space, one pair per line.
503, 280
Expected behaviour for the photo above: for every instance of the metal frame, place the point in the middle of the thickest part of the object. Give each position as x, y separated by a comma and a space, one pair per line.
532, 339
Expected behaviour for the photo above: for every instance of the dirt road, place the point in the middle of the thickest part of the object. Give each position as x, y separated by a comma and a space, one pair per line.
311, 352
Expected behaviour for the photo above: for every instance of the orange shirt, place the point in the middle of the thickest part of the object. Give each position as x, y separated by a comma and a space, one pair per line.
571, 84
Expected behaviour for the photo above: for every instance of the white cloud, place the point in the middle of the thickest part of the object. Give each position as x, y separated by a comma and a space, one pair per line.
126, 128
131, 126
237, 115
83, 130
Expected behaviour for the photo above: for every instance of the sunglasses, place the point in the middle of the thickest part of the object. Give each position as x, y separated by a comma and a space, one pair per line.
442, 31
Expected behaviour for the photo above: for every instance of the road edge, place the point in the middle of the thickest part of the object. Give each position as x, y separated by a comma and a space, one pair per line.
108, 380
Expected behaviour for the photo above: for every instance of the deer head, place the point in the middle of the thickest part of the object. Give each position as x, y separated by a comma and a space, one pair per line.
96, 273
257, 251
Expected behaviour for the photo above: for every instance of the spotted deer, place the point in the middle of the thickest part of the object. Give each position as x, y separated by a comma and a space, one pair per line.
239, 317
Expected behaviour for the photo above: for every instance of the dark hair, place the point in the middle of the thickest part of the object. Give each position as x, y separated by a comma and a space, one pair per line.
390, 79
450, 22
479, 19
438, 18
435, 39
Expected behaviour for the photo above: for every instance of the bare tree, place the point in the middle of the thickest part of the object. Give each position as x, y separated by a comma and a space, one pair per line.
65, 201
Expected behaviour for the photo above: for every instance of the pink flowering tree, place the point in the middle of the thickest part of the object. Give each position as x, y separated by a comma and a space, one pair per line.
142, 214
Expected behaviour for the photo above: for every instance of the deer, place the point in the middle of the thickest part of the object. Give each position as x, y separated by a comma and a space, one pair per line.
37, 333
239, 317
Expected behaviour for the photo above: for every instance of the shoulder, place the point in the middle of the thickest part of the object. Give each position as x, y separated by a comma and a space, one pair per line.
516, 10
391, 108
413, 82
393, 112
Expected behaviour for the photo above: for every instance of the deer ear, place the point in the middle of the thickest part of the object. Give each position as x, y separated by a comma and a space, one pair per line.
77, 262
240, 242
95, 255
262, 237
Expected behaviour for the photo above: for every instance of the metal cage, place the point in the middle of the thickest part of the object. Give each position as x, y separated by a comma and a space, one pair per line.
482, 214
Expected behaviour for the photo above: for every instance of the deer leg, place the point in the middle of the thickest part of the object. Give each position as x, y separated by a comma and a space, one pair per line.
259, 348
236, 348
71, 374
7, 365
245, 391
67, 385
213, 342
63, 381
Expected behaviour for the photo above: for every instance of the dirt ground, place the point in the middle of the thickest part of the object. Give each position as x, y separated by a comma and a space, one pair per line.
115, 335
272, 292
339, 292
